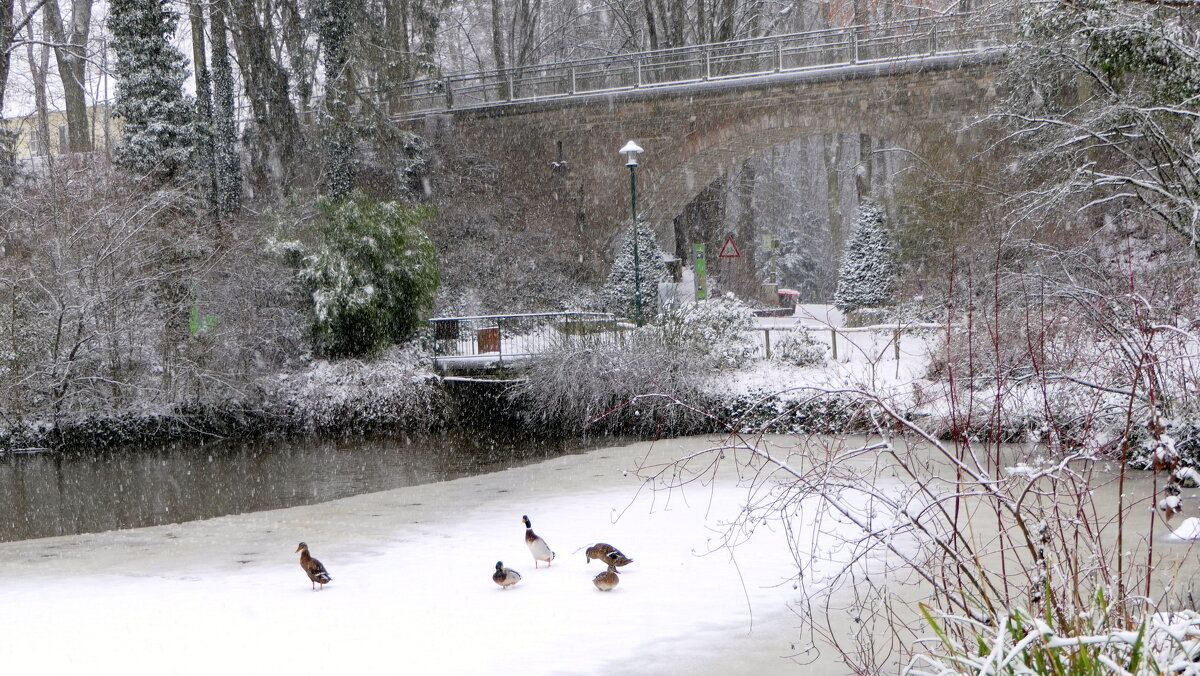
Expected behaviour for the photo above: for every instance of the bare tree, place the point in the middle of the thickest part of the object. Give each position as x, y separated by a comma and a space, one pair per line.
39, 65
275, 138
70, 53
1103, 102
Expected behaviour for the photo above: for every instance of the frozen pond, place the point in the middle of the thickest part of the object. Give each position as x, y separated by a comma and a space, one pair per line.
412, 588
64, 494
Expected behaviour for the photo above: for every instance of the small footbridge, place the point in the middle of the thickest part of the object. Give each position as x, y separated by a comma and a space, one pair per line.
492, 345
494, 348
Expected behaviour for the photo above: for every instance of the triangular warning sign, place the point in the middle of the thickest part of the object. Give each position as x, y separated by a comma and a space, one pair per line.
729, 249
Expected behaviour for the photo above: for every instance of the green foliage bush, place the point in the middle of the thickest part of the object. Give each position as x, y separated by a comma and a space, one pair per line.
373, 273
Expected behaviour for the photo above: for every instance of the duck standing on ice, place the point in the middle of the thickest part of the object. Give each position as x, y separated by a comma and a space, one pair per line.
313, 568
537, 546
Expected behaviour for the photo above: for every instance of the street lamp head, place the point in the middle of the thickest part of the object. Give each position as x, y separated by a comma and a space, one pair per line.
631, 151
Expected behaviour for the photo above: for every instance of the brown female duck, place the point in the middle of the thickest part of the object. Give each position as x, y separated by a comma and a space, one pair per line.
313, 568
607, 580
607, 554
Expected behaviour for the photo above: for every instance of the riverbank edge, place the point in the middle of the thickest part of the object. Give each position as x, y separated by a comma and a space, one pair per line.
401, 393
421, 403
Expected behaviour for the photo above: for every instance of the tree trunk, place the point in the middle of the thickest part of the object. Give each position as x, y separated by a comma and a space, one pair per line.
725, 21
6, 38
275, 137
833, 193
678, 26
505, 86
228, 163
294, 37
39, 64
204, 118
336, 28
8, 140
651, 24
70, 53
863, 174
392, 71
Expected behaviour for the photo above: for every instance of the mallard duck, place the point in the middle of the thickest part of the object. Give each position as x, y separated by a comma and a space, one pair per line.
315, 570
505, 577
537, 546
607, 554
607, 580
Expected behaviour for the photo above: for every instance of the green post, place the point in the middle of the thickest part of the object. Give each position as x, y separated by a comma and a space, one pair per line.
701, 276
637, 261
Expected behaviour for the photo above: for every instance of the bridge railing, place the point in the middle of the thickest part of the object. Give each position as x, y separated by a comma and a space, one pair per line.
485, 340
891, 41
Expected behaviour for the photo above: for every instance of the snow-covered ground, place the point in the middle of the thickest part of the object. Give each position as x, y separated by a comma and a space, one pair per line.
412, 589
866, 359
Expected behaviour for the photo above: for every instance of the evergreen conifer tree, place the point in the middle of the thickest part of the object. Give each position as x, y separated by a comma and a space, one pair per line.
868, 265
617, 296
157, 136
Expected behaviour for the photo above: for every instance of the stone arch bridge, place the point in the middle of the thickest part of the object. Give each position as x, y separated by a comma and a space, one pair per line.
700, 111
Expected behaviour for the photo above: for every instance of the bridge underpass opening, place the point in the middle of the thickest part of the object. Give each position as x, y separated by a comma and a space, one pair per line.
802, 193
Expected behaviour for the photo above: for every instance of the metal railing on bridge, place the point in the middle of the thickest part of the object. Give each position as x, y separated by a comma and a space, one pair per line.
491, 340
875, 43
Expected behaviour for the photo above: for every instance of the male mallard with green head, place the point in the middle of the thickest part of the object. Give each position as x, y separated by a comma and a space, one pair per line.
607, 554
505, 577
607, 580
537, 546
313, 568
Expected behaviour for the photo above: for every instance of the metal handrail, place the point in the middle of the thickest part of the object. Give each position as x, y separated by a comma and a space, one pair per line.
827, 48
487, 339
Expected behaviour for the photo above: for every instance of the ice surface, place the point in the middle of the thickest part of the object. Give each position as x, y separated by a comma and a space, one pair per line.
412, 589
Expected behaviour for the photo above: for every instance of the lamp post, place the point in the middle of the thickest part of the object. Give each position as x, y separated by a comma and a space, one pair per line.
631, 151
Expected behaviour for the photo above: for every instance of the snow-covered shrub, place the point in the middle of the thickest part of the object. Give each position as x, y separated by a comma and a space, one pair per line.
157, 133
977, 357
619, 291
1024, 643
372, 274
632, 385
799, 348
718, 333
868, 267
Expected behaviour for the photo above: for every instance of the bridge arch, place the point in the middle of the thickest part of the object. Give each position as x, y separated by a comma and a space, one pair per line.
692, 133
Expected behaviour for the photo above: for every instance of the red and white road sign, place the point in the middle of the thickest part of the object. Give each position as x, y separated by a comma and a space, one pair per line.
729, 249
